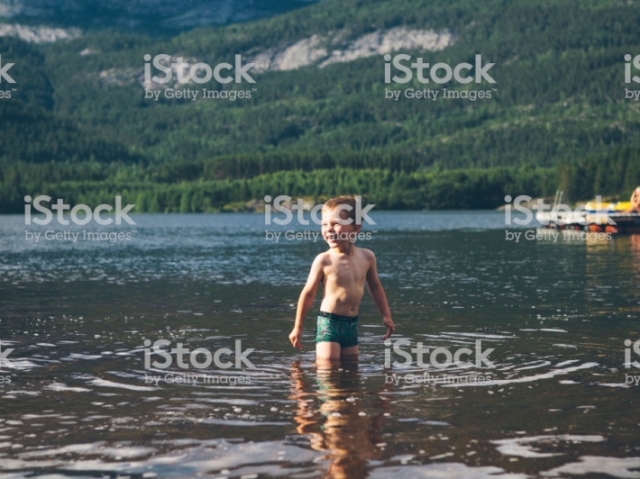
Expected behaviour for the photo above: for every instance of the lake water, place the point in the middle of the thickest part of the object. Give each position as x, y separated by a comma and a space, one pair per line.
540, 387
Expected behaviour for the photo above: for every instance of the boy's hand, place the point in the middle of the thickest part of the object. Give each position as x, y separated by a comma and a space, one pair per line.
296, 338
391, 327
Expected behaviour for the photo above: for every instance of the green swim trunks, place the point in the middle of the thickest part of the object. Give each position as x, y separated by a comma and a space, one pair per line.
334, 328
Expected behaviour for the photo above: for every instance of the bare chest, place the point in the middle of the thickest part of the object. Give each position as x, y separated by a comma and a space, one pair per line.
346, 271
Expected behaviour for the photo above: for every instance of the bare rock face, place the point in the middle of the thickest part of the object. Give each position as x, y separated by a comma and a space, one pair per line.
317, 50
380, 43
323, 51
301, 54
38, 34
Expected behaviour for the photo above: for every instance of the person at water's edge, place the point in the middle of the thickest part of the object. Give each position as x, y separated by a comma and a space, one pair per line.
343, 270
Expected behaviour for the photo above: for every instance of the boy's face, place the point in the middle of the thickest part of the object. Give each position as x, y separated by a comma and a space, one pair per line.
335, 231
635, 198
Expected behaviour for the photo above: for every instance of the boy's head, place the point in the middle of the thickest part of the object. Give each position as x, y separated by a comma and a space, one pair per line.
339, 220
346, 203
635, 198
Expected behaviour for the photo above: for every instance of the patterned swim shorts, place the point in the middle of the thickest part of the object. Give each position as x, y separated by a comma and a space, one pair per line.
334, 328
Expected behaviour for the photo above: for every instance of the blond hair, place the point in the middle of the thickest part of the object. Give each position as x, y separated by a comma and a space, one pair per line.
339, 201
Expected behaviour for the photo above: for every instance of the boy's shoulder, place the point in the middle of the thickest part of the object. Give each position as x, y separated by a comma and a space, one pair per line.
367, 253
322, 257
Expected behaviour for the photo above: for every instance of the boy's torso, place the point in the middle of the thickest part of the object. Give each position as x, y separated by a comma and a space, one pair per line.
344, 278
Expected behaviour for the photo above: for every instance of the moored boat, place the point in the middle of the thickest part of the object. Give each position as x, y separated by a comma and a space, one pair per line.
618, 217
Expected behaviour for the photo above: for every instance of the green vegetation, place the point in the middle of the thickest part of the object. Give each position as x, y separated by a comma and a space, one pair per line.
388, 189
79, 126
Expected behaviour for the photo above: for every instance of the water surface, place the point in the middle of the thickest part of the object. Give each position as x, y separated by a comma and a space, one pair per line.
77, 400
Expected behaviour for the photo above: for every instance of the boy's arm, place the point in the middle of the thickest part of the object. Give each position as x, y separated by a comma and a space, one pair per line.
379, 297
307, 296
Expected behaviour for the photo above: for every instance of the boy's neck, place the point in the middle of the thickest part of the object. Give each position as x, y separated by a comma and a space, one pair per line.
347, 248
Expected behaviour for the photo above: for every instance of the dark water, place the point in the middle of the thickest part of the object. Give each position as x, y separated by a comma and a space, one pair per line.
556, 401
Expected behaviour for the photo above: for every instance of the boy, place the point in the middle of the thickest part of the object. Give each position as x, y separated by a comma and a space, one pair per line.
342, 270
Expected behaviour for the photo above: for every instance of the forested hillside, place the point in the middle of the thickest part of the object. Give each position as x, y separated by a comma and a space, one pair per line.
79, 125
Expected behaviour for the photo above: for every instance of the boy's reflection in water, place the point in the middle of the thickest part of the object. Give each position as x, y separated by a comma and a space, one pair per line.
340, 424
635, 255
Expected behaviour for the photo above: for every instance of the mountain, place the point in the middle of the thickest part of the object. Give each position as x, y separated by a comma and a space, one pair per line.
539, 102
150, 16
